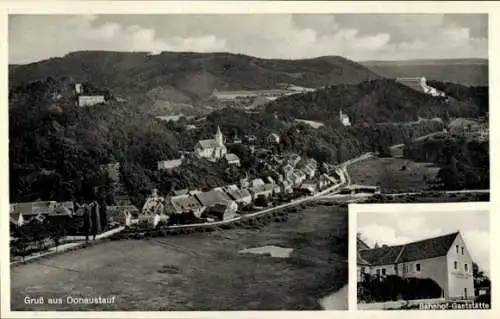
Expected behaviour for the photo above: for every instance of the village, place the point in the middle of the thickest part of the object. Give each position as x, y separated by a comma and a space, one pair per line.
288, 177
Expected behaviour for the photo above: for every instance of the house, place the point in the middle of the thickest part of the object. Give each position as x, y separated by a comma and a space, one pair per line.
244, 183
21, 213
232, 159
344, 119
211, 198
178, 192
231, 187
444, 259
256, 182
287, 170
273, 138
90, 100
154, 204
309, 185
170, 164
241, 196
286, 186
120, 214
221, 211
324, 181
185, 204
78, 88
266, 190
212, 149
309, 171
301, 176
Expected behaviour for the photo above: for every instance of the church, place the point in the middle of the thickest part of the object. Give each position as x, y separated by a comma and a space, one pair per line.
212, 149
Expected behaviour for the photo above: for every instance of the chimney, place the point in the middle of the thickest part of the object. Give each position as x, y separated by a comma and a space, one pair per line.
154, 192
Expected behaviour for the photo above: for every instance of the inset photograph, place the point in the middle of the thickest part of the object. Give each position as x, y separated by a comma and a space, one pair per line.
423, 258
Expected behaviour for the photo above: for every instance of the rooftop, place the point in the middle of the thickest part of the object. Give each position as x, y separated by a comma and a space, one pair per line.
238, 193
230, 157
423, 249
211, 143
211, 198
184, 203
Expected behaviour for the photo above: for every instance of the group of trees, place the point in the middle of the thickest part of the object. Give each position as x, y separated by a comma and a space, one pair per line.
40, 233
464, 163
69, 144
391, 288
369, 103
478, 95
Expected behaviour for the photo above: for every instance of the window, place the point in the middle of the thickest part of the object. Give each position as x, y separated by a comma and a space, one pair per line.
455, 265
466, 267
457, 249
383, 271
462, 250
378, 272
417, 267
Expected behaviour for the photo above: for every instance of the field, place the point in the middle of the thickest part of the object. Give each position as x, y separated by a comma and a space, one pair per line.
393, 175
201, 271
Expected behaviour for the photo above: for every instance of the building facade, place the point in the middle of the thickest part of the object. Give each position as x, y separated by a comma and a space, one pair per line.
444, 259
212, 149
90, 100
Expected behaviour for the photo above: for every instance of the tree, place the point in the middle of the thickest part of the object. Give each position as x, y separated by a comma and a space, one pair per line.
384, 151
56, 232
36, 232
261, 201
481, 280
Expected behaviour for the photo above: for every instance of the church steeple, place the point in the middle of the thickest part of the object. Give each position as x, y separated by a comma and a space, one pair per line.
218, 137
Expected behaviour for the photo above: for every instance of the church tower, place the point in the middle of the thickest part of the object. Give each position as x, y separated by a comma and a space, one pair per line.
218, 137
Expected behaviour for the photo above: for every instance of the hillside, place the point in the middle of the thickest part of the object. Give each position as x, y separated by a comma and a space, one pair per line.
188, 77
462, 71
368, 103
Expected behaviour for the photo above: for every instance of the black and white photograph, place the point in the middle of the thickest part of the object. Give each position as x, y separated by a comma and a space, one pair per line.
205, 162
424, 259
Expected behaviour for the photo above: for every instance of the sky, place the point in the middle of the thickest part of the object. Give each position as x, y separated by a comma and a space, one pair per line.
288, 36
394, 228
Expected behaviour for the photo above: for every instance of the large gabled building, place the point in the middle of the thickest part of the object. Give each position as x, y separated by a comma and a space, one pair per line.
444, 259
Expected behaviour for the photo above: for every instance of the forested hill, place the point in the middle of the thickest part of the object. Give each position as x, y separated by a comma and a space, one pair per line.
370, 102
188, 77
56, 148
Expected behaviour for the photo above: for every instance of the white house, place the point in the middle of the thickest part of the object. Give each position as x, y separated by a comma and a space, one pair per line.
90, 100
232, 159
170, 164
273, 138
78, 88
444, 259
344, 119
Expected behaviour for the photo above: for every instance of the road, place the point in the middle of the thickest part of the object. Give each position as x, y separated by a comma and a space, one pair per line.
345, 180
